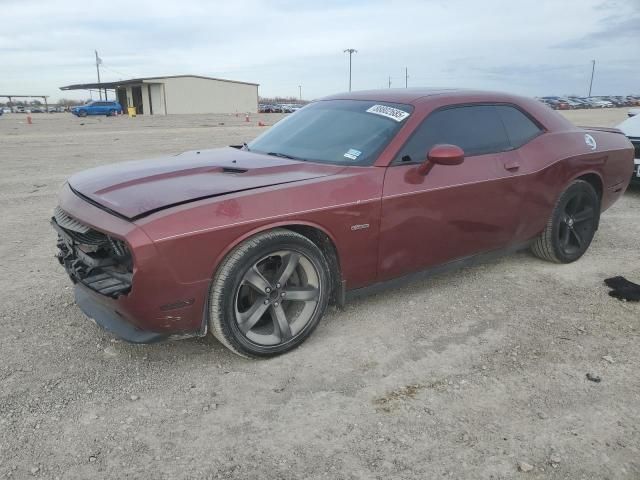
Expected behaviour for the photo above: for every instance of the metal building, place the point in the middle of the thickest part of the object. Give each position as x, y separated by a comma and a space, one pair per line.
179, 94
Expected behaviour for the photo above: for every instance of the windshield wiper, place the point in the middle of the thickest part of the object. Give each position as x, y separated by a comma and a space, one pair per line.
284, 155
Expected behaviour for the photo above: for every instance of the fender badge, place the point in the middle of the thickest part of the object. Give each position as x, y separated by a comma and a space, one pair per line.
359, 227
590, 141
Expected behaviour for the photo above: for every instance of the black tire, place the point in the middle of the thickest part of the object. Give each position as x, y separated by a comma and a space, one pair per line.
572, 225
82, 113
235, 302
111, 113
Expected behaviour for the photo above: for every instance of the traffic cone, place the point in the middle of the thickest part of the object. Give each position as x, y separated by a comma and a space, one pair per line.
246, 118
29, 120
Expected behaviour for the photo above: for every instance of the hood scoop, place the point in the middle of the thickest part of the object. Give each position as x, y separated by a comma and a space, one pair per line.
234, 170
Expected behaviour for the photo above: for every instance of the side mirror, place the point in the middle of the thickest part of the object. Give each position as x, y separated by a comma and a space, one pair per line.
443, 154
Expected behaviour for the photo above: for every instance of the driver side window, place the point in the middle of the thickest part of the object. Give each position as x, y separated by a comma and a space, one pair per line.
477, 129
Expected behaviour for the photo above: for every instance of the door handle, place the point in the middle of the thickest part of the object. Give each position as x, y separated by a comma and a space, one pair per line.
511, 165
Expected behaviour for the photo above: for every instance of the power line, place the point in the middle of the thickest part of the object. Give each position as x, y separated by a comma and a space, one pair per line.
116, 71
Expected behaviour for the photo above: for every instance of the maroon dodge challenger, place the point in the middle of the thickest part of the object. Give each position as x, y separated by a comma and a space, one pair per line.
357, 190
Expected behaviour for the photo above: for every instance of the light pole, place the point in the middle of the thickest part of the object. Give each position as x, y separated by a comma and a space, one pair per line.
98, 62
593, 69
350, 51
300, 92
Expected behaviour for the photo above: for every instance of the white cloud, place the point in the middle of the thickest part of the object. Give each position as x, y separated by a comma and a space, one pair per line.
526, 46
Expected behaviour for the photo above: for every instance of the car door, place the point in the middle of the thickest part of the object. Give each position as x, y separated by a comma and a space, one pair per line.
453, 211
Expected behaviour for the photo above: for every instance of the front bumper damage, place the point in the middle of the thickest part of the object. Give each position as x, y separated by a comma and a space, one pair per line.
92, 258
111, 321
121, 281
98, 263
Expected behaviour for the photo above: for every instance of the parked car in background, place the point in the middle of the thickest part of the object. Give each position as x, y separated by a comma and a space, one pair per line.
353, 191
107, 108
37, 110
6, 110
616, 101
597, 102
577, 103
631, 128
557, 103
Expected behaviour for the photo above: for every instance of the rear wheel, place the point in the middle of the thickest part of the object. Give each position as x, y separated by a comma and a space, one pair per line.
269, 294
82, 113
572, 225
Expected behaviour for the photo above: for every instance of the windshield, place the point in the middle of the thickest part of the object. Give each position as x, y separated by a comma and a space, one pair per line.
345, 132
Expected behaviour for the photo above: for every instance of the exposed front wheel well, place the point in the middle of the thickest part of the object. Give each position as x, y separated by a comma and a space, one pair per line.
324, 243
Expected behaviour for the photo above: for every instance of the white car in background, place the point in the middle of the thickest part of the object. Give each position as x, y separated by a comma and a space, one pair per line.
601, 103
631, 128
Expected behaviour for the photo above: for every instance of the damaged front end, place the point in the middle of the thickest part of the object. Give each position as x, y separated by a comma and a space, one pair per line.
92, 258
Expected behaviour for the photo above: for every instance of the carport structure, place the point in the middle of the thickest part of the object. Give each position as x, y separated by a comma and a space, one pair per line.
189, 94
123, 91
11, 97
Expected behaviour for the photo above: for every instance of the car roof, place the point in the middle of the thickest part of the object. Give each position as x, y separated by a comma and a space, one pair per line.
391, 95
413, 96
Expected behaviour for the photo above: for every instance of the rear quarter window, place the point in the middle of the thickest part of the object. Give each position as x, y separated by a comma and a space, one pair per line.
520, 128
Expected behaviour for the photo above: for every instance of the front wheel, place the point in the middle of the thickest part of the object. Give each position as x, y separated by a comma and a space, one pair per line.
269, 294
572, 225
82, 113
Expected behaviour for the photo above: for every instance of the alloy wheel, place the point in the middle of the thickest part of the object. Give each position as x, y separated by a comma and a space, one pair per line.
277, 297
577, 224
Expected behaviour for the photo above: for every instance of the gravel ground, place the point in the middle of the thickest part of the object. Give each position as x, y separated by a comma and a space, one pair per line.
478, 373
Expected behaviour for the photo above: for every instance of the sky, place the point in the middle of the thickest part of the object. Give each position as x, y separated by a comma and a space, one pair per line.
529, 47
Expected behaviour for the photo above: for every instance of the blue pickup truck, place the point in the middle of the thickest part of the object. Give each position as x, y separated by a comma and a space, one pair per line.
97, 107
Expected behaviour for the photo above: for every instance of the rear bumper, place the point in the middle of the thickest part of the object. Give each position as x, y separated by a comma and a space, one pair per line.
635, 176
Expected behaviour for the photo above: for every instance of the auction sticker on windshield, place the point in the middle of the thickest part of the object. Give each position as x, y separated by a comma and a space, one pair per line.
353, 154
389, 112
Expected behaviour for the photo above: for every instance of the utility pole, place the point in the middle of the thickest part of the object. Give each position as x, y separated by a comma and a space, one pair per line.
300, 92
98, 62
406, 77
389, 81
350, 51
593, 69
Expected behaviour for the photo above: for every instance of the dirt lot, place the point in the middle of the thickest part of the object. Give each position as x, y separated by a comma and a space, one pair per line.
463, 376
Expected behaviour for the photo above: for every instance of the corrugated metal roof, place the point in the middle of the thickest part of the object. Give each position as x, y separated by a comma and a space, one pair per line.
135, 81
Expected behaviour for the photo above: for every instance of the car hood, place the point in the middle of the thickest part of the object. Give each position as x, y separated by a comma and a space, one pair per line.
631, 126
139, 188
